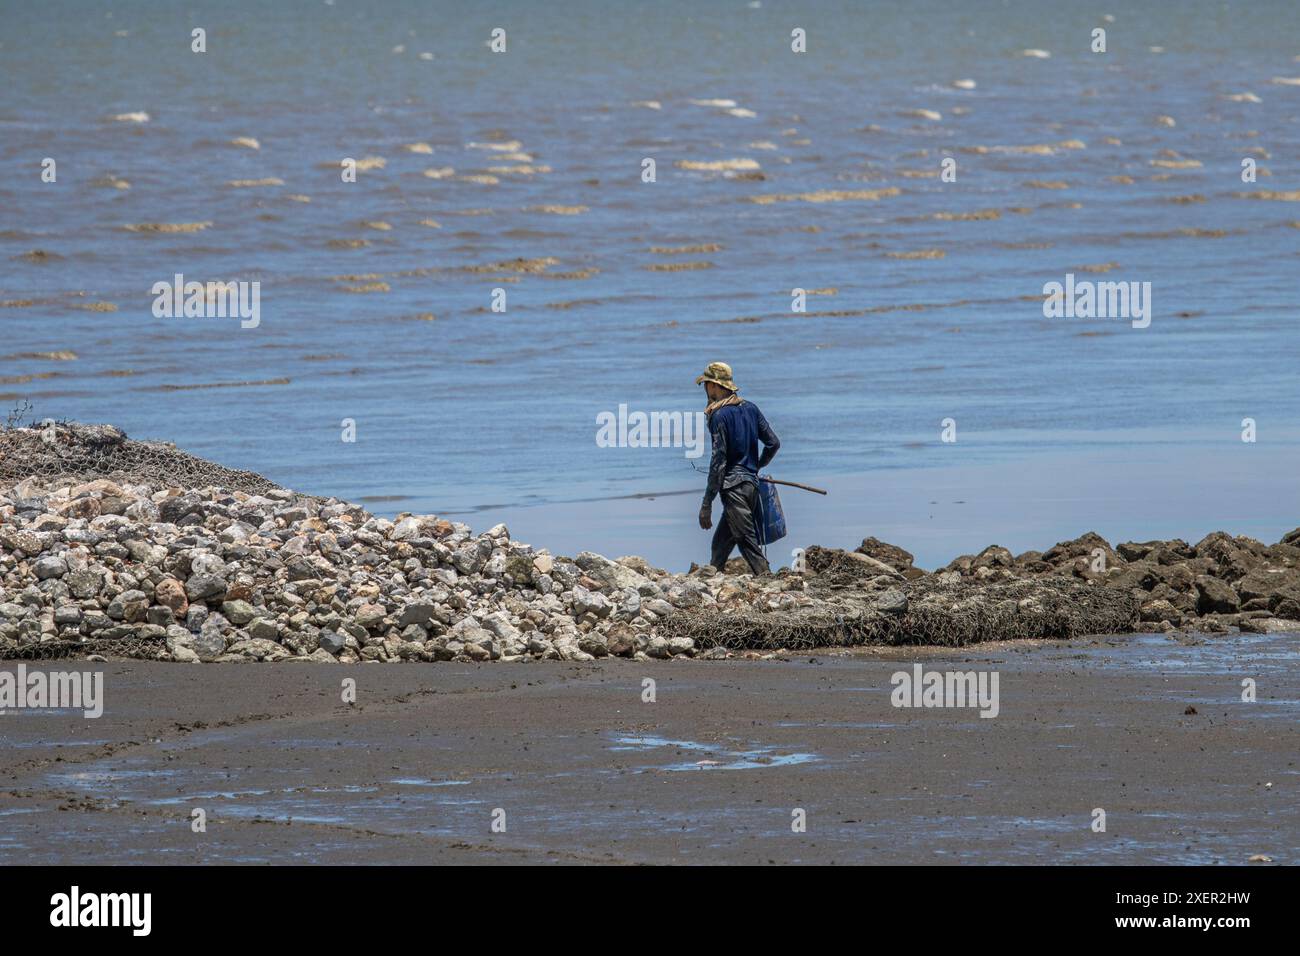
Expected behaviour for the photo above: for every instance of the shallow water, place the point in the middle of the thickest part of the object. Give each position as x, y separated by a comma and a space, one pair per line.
1247, 654
460, 410
712, 757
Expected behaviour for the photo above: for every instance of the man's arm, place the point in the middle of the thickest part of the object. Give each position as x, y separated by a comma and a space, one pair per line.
771, 444
717, 463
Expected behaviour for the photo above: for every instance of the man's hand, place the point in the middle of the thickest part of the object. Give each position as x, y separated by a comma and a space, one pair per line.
706, 517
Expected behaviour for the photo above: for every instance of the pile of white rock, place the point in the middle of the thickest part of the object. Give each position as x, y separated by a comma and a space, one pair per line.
217, 575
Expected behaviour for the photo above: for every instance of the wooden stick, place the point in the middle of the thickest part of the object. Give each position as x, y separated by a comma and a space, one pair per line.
794, 484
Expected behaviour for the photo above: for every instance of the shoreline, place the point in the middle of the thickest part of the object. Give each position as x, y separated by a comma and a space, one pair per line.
180, 559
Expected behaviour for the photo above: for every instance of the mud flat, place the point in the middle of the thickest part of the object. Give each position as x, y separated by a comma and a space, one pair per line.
586, 772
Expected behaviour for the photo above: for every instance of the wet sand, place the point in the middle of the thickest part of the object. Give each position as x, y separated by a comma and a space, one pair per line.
586, 772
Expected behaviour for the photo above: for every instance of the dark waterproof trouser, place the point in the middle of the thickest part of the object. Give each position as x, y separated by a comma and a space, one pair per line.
737, 527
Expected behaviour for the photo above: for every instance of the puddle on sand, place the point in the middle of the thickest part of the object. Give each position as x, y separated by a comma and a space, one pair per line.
1233, 706
418, 782
839, 725
410, 803
1209, 654
1017, 840
102, 780
751, 759
284, 812
47, 745
239, 794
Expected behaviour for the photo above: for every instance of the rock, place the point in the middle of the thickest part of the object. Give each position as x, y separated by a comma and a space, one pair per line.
264, 629
159, 615
467, 631
658, 606
471, 558
238, 613
519, 570
477, 652
1233, 557
629, 604
620, 641
50, 567
1085, 546
499, 626
129, 606
300, 569
1216, 597
416, 614
259, 650
332, 642
209, 644
1285, 602
1160, 610
889, 554
172, 510
372, 616
590, 602
892, 601
593, 643
142, 552
613, 575
1172, 552
681, 645
1272, 625
13, 611
203, 587
994, 556
171, 594
638, 564
84, 583
67, 615
84, 508
1265, 582
405, 529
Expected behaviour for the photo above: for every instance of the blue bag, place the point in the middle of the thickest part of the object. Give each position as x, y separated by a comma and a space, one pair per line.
770, 518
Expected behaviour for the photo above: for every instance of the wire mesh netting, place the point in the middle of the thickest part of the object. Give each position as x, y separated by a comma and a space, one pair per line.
137, 646
951, 614
75, 452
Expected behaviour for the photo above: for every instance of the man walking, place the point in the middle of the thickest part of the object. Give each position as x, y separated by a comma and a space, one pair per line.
737, 427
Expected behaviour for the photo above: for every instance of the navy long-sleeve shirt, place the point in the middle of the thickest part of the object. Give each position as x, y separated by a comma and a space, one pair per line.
737, 431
